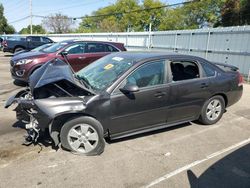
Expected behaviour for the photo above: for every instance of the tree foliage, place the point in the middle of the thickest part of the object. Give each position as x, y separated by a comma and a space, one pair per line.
36, 29
58, 23
196, 14
4, 26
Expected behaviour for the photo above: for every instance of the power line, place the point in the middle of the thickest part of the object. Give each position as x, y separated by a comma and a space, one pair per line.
21, 19
69, 7
119, 13
112, 14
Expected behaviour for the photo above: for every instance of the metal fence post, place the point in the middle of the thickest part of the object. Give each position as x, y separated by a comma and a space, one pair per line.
248, 77
208, 39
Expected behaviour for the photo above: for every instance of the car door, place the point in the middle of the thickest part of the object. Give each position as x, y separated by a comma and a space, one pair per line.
34, 42
145, 108
189, 90
76, 56
94, 51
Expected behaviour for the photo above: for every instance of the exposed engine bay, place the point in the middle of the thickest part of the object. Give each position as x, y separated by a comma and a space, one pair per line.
53, 89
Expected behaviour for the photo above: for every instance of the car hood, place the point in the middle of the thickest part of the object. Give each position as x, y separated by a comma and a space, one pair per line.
54, 71
28, 55
20, 52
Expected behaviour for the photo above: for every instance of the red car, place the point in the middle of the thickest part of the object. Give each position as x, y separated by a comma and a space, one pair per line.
79, 54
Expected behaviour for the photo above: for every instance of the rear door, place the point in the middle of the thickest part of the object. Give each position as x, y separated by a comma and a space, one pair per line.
189, 90
94, 51
145, 108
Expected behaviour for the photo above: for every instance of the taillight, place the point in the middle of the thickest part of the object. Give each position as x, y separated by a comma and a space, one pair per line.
5, 43
240, 79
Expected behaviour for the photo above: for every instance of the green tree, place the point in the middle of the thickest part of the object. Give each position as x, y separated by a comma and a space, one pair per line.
230, 13
4, 26
36, 29
245, 11
151, 15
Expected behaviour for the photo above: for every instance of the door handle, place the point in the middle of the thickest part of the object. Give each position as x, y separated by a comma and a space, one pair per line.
204, 85
81, 57
159, 94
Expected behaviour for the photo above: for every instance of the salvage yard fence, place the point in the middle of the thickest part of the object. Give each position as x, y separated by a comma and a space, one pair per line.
229, 45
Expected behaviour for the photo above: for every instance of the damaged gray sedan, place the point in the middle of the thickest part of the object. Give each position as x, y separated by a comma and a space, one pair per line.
123, 94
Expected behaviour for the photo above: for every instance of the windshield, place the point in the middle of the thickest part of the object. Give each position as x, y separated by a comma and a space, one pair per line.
55, 47
103, 72
41, 47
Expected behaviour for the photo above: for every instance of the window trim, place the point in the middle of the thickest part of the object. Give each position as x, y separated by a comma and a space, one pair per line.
188, 60
104, 45
165, 81
204, 72
73, 45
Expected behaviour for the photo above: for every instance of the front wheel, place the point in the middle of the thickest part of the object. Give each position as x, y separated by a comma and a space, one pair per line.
212, 110
83, 135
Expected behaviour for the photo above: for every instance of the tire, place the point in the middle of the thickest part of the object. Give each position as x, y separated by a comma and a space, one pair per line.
75, 136
17, 49
212, 110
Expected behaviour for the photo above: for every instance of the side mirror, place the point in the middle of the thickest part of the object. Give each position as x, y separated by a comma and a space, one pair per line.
130, 88
28, 39
64, 53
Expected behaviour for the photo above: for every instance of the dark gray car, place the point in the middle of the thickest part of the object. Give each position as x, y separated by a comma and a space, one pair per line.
124, 94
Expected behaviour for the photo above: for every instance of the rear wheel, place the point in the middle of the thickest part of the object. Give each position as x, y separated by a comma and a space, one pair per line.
212, 110
83, 135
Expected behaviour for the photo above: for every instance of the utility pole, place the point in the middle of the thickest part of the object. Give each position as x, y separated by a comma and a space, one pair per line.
31, 17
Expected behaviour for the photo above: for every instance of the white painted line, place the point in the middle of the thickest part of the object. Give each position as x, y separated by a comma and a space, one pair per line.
184, 168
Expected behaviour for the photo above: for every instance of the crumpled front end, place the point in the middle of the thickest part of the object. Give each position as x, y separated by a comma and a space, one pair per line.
38, 114
53, 91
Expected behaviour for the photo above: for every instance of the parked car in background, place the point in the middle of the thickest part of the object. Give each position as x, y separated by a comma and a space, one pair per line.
16, 44
37, 49
123, 94
79, 54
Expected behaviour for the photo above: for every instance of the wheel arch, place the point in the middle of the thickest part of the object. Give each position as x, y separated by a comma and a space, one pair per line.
57, 123
224, 97
19, 46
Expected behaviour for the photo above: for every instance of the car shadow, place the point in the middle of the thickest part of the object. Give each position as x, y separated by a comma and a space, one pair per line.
20, 83
148, 133
8, 55
231, 171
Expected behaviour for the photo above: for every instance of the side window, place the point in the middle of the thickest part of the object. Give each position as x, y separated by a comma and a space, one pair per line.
45, 40
209, 70
184, 70
76, 48
110, 48
95, 47
148, 75
35, 39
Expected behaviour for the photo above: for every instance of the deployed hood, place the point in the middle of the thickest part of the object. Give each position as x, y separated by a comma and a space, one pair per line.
28, 55
53, 72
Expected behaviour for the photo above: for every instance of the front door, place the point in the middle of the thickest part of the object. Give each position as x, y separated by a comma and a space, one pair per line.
76, 55
145, 108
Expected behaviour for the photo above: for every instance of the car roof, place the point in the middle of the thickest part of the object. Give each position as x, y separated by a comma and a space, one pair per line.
80, 40
147, 55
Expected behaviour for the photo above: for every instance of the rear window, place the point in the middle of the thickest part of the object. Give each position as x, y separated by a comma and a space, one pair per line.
209, 70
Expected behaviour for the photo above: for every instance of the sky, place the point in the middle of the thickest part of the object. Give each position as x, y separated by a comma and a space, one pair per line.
18, 9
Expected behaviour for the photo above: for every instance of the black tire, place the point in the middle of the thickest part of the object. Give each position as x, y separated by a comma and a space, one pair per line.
17, 49
204, 117
88, 121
